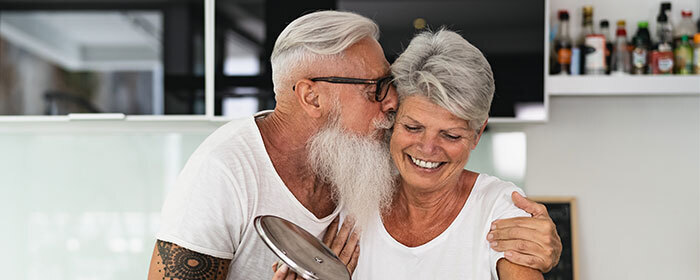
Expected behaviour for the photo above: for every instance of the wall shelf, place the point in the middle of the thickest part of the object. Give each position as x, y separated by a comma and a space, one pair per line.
623, 85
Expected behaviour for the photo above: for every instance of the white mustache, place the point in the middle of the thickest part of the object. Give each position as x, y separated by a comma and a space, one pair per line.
386, 123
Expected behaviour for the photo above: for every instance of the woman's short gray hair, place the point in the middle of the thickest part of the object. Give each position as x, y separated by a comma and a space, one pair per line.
316, 36
450, 72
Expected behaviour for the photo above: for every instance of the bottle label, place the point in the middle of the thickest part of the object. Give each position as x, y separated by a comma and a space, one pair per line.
665, 64
684, 60
564, 56
661, 62
639, 58
595, 54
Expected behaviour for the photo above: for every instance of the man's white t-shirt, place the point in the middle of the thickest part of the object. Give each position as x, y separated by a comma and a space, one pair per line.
460, 252
226, 183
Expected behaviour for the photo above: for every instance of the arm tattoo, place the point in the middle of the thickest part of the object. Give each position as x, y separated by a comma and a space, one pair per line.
182, 264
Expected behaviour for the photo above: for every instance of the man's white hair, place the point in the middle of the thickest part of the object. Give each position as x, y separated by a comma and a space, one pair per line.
450, 72
314, 37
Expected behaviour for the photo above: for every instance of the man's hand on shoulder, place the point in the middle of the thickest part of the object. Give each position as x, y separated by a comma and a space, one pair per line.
172, 262
531, 242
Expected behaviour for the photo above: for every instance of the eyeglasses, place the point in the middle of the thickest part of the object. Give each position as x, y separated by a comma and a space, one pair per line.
380, 92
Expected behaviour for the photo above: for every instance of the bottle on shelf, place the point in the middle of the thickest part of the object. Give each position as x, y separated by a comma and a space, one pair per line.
621, 56
561, 64
640, 54
696, 52
684, 57
661, 61
665, 12
664, 27
580, 50
575, 66
595, 48
686, 27
605, 30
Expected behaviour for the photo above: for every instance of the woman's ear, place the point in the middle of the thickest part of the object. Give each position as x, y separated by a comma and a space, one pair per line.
307, 98
478, 136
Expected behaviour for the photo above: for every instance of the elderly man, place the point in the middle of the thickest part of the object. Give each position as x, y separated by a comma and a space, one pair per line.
320, 150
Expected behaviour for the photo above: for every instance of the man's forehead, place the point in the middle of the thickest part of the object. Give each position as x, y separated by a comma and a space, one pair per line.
365, 58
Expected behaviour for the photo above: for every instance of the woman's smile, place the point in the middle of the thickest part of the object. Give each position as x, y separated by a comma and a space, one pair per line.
431, 166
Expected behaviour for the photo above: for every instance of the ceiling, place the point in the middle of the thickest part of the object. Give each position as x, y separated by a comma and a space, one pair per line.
88, 39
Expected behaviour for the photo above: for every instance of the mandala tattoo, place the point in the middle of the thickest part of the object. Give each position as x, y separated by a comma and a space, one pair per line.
182, 264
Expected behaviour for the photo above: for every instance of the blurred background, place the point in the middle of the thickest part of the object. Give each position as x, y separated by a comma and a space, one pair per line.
103, 101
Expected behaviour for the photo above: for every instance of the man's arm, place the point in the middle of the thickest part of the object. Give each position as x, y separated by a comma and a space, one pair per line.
531, 242
172, 262
510, 271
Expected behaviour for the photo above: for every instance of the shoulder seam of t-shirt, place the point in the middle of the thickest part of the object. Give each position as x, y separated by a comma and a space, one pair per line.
193, 247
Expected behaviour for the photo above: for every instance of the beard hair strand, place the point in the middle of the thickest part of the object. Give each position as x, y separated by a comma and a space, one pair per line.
358, 168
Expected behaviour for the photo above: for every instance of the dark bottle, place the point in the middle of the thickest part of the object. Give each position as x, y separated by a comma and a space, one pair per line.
640, 53
561, 64
665, 7
664, 28
605, 30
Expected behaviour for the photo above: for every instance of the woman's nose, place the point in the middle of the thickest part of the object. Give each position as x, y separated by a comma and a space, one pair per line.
427, 144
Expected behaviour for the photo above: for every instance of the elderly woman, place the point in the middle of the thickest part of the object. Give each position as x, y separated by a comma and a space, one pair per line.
437, 223
440, 215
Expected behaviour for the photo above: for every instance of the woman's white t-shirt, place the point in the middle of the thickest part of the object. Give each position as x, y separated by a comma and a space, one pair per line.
460, 252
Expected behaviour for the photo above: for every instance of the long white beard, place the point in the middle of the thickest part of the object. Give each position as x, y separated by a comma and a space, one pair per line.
359, 168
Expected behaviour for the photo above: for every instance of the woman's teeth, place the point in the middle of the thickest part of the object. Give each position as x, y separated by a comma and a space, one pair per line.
424, 164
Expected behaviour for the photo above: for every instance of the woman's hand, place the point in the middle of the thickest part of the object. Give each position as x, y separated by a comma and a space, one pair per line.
344, 243
531, 242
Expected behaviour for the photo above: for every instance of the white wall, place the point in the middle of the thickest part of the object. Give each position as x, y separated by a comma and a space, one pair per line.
633, 163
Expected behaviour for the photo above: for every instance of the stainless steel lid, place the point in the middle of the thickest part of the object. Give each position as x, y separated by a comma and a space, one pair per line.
300, 250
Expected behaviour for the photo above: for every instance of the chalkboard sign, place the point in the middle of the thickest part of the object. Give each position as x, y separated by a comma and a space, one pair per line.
562, 210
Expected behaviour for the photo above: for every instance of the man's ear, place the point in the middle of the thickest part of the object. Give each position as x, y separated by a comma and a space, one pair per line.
481, 131
307, 98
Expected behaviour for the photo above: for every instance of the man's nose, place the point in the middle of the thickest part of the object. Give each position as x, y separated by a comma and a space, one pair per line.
391, 101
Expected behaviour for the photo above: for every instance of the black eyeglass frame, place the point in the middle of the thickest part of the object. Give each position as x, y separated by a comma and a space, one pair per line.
379, 96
